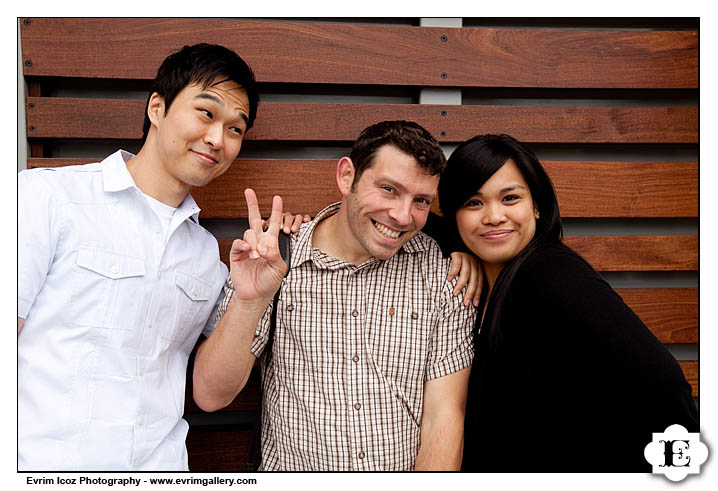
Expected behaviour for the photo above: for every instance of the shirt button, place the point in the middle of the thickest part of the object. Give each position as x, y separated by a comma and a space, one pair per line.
141, 372
159, 275
157, 230
357, 406
361, 455
194, 292
414, 315
391, 311
290, 307
355, 313
355, 358
140, 421
115, 269
149, 324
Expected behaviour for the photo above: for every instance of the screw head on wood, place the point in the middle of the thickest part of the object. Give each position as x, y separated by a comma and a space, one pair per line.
444, 38
444, 75
32, 128
443, 113
31, 105
27, 22
28, 62
443, 133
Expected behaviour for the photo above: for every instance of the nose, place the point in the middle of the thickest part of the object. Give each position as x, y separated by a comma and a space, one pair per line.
400, 212
493, 214
213, 136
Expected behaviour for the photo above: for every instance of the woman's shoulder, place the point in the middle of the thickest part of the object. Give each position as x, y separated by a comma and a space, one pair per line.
554, 272
555, 259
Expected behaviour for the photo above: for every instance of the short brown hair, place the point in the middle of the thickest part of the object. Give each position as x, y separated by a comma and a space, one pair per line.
407, 136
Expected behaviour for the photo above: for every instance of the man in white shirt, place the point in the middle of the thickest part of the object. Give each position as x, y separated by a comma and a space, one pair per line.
117, 279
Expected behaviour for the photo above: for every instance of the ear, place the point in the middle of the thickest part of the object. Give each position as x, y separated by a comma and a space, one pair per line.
345, 175
156, 108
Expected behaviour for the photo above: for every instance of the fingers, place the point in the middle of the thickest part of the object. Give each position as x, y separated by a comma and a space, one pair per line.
260, 243
459, 267
239, 251
468, 269
463, 280
298, 220
255, 247
252, 240
295, 224
455, 267
472, 288
290, 223
287, 221
255, 219
275, 219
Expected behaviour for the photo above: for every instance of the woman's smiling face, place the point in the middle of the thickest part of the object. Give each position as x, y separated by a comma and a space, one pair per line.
499, 220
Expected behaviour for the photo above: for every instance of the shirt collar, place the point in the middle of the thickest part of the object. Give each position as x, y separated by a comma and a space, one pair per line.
116, 177
302, 247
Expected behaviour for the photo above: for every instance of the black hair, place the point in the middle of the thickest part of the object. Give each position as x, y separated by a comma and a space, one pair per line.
468, 168
407, 136
201, 64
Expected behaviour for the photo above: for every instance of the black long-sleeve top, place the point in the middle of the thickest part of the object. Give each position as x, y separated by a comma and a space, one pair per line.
577, 382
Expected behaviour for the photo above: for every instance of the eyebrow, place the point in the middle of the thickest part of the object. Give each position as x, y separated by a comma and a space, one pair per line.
211, 97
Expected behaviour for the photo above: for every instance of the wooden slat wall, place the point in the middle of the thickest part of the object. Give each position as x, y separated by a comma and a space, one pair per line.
581, 187
277, 121
360, 54
618, 93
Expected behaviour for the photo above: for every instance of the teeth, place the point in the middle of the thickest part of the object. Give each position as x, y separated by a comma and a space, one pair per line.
389, 233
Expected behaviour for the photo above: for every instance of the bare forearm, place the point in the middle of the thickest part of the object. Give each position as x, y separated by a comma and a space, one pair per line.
224, 362
442, 423
442, 442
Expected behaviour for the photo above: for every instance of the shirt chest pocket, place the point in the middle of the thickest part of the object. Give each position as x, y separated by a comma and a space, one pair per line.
399, 338
192, 298
105, 288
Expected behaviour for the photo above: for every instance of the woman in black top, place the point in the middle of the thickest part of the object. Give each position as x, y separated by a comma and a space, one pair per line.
565, 377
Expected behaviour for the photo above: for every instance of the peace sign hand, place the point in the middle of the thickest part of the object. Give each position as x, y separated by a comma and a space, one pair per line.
255, 263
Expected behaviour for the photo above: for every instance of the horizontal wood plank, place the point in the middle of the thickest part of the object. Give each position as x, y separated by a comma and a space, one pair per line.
307, 52
625, 189
638, 252
71, 118
670, 313
637, 189
690, 371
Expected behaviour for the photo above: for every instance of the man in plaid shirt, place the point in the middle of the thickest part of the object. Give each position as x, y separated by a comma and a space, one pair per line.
372, 350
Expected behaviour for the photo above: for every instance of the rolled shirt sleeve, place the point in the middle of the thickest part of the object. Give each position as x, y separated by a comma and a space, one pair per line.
213, 318
451, 347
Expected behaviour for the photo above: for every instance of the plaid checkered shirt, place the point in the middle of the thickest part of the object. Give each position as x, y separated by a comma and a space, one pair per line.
353, 346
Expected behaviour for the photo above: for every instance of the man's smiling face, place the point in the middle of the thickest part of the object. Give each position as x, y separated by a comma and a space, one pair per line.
201, 133
390, 202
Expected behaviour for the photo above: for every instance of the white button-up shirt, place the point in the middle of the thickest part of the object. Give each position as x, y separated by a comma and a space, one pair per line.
112, 310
